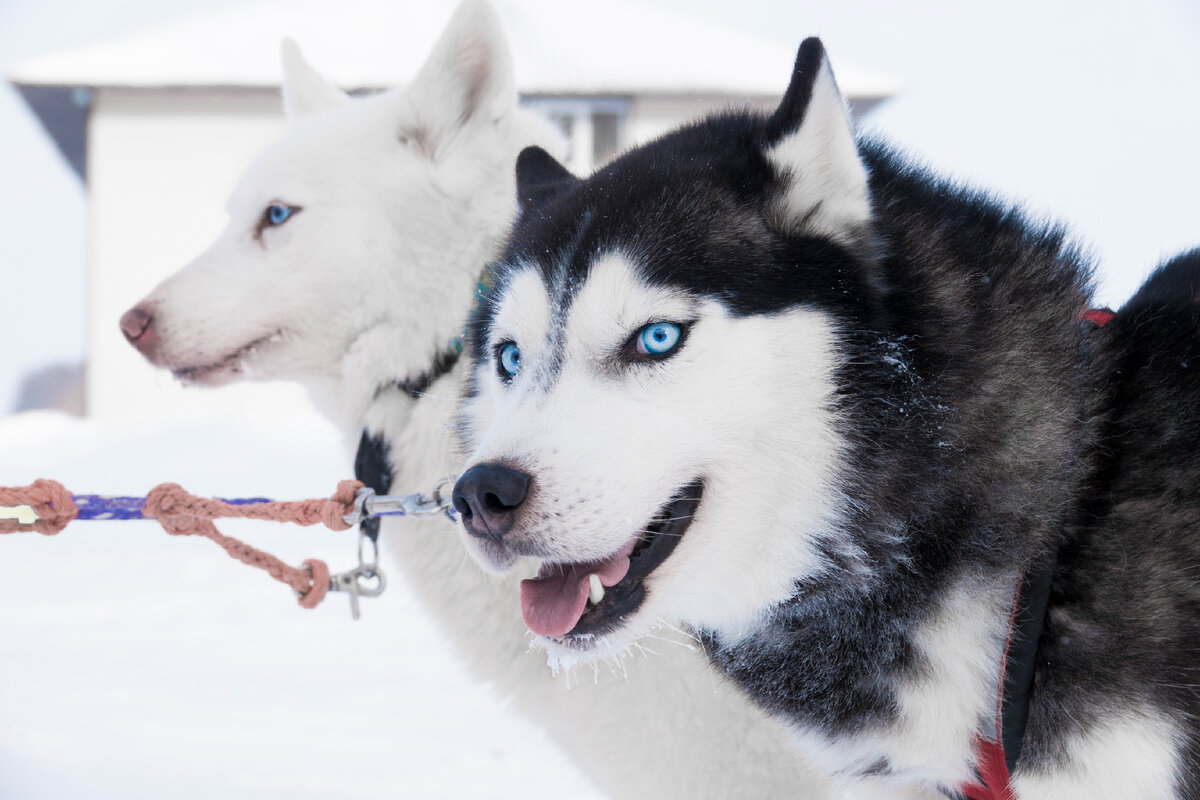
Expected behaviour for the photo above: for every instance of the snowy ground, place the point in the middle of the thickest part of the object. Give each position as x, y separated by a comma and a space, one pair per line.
135, 665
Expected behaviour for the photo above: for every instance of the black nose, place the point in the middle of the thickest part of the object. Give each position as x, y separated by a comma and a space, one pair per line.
487, 497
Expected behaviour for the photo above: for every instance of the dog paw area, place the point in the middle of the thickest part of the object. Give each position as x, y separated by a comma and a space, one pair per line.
134, 664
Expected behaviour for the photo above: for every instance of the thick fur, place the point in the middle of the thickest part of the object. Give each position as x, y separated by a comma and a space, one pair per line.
886, 388
404, 197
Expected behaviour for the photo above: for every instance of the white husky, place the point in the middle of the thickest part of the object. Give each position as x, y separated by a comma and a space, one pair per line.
350, 260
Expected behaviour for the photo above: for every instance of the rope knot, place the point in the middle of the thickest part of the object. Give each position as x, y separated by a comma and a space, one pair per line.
168, 503
342, 503
319, 571
50, 500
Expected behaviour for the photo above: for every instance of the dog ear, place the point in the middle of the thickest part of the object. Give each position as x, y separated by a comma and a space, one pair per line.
811, 144
540, 177
467, 78
1174, 284
305, 91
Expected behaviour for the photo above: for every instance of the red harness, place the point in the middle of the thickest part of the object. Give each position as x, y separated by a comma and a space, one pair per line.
1099, 316
994, 782
991, 760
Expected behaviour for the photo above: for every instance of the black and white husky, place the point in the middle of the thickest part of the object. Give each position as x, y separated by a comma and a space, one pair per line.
856, 426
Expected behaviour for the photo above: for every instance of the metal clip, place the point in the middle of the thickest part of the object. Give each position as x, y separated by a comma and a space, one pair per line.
367, 579
446, 502
369, 504
360, 506
352, 582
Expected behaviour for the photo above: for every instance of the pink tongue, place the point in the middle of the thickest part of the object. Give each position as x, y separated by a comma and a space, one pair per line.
553, 602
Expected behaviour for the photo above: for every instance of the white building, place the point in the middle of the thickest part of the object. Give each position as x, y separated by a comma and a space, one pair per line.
160, 124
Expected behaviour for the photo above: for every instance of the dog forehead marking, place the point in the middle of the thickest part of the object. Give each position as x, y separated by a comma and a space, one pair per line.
526, 315
523, 314
612, 302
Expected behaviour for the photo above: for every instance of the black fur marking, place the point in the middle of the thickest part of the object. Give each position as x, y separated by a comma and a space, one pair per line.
963, 373
790, 113
880, 767
373, 466
540, 177
644, 204
416, 386
1175, 283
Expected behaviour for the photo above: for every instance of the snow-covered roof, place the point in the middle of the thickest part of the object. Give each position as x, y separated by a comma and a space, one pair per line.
614, 47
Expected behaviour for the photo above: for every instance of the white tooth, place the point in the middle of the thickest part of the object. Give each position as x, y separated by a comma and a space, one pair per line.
595, 589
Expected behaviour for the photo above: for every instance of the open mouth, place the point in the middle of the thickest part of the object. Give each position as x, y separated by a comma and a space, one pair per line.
231, 364
574, 600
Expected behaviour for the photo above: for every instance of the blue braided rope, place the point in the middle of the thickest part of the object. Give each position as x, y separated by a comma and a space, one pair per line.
95, 506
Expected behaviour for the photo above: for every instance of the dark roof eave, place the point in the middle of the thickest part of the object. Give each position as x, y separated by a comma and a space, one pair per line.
63, 113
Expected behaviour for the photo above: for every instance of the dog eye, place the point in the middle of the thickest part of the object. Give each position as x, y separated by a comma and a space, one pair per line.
278, 213
508, 360
658, 339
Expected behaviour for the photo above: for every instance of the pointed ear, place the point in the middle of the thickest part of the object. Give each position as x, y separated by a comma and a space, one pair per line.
540, 177
305, 91
811, 144
467, 78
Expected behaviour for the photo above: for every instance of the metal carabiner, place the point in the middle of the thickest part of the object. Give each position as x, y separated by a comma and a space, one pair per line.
369, 504
352, 582
363, 563
360, 506
367, 579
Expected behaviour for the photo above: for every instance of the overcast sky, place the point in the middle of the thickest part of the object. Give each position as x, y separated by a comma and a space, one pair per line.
1087, 111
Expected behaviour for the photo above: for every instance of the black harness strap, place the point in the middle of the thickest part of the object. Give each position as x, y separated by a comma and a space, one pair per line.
1031, 615
373, 461
1022, 659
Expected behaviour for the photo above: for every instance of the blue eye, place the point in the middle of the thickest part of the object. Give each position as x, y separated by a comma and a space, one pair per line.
277, 213
510, 360
659, 338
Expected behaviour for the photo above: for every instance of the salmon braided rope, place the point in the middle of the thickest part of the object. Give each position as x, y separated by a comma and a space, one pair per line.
50, 500
181, 513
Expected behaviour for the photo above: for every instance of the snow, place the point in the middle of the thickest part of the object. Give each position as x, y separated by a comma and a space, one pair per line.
135, 665
557, 48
